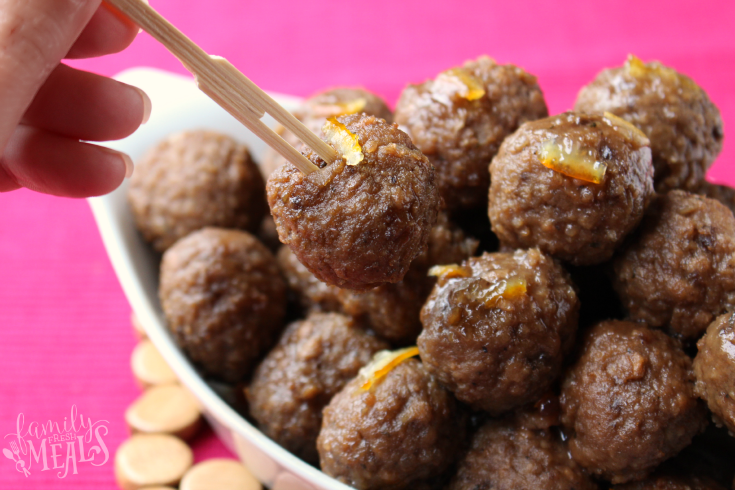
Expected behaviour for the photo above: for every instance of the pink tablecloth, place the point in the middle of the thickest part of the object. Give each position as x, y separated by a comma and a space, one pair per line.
64, 333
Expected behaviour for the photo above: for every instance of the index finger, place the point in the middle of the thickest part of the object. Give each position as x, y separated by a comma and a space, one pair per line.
108, 32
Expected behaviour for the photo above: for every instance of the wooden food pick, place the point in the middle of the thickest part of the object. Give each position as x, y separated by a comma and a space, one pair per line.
137, 327
149, 367
147, 460
167, 409
219, 474
229, 88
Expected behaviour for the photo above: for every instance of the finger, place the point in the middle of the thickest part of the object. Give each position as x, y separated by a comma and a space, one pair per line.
108, 32
52, 164
34, 35
86, 106
7, 181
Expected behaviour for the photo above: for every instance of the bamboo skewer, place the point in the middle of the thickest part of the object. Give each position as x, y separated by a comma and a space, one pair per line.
228, 87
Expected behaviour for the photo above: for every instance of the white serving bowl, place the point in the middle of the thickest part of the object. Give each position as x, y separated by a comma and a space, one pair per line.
178, 105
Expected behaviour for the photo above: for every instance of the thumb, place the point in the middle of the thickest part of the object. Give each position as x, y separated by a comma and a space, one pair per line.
34, 36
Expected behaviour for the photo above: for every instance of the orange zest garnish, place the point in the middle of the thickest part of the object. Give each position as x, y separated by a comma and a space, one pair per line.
384, 362
627, 129
572, 161
510, 288
449, 271
638, 69
636, 66
344, 140
467, 85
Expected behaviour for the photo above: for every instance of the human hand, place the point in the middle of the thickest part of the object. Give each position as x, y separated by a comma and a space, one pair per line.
48, 107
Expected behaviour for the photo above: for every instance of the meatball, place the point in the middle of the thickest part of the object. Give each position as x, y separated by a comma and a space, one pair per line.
224, 300
573, 219
392, 310
714, 368
337, 101
672, 481
628, 403
358, 226
504, 456
679, 272
404, 429
684, 126
195, 179
460, 118
497, 350
312, 362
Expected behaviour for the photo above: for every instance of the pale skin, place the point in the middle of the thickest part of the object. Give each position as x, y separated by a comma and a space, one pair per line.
48, 107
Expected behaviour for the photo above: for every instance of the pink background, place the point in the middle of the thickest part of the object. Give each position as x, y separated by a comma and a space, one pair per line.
64, 331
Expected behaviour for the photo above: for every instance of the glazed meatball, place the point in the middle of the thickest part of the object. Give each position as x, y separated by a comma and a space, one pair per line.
672, 481
312, 362
714, 367
628, 403
573, 219
460, 118
358, 226
679, 272
498, 350
392, 310
224, 300
684, 126
315, 110
195, 179
404, 429
504, 456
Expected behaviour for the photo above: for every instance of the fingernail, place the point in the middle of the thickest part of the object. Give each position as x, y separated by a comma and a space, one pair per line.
129, 167
147, 106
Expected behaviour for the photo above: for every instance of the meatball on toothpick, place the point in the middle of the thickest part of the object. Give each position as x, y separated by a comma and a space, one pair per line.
358, 222
337, 101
